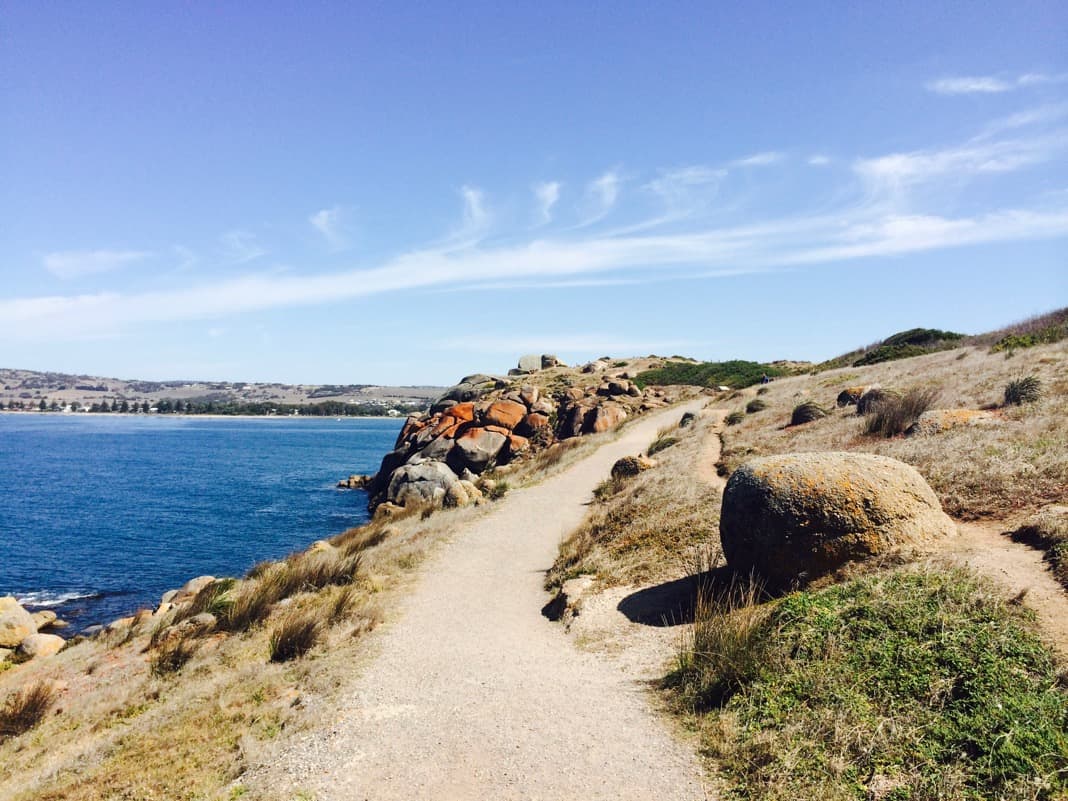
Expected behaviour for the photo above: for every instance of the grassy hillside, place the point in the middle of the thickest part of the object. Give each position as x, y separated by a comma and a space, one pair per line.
901, 679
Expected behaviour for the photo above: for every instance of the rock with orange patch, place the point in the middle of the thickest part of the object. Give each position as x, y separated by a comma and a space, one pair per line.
517, 444
411, 426
533, 422
850, 396
604, 418
797, 516
936, 421
476, 448
505, 413
461, 412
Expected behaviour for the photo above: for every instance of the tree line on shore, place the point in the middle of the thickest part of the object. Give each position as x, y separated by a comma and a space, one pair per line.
179, 406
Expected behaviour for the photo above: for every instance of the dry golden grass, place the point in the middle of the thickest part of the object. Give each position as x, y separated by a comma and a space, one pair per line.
647, 525
122, 730
998, 470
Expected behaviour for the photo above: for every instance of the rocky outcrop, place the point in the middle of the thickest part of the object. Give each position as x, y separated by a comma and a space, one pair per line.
798, 516
16, 624
38, 646
488, 422
936, 421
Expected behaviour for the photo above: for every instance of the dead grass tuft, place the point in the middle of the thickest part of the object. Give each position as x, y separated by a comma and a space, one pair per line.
294, 635
26, 708
893, 415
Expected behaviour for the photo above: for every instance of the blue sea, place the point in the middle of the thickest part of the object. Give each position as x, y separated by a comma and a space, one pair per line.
101, 514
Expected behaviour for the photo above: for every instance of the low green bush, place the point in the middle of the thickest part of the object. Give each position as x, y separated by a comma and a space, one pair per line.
894, 414
755, 405
913, 684
734, 418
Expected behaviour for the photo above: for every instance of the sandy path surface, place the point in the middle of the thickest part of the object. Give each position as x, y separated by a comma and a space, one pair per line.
711, 450
473, 694
1018, 568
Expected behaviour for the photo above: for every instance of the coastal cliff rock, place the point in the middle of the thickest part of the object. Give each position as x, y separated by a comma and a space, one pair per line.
38, 646
803, 515
16, 624
487, 422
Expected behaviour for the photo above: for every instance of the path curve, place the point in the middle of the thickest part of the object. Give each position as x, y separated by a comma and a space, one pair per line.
474, 695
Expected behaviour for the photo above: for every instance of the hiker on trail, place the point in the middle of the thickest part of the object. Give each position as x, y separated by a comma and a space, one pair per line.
765, 379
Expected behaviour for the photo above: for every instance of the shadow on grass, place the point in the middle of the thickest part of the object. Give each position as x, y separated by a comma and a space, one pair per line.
673, 603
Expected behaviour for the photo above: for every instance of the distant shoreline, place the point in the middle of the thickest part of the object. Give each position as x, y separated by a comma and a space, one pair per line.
37, 412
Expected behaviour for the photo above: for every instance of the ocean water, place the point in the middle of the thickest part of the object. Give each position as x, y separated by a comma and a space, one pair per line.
101, 514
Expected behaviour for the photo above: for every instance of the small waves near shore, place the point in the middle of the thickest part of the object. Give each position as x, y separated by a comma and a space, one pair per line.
100, 515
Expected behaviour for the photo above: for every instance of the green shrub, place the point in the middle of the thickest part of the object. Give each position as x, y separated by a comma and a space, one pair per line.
807, 412
734, 418
762, 391
1044, 336
894, 414
736, 374
871, 399
755, 405
609, 487
1023, 390
26, 708
294, 635
924, 683
498, 491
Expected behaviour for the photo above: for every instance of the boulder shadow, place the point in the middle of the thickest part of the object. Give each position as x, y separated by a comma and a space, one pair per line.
673, 603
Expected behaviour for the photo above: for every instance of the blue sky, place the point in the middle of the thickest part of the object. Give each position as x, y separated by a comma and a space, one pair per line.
379, 192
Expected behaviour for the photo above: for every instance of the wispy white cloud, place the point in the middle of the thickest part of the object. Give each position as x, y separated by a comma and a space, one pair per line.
896, 171
819, 160
242, 246
764, 159
187, 259
560, 343
602, 193
991, 84
330, 223
546, 195
662, 247
68, 264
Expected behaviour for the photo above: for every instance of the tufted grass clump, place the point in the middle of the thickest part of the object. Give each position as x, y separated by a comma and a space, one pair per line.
755, 405
662, 442
25, 708
1023, 390
806, 412
905, 684
734, 418
172, 657
894, 414
294, 635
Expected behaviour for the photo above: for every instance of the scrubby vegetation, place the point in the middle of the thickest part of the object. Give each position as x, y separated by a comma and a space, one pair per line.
806, 412
662, 442
25, 708
755, 405
893, 414
1044, 329
902, 345
1023, 390
905, 684
735, 374
294, 635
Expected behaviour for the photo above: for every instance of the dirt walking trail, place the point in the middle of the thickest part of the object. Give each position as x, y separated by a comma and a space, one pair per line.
474, 695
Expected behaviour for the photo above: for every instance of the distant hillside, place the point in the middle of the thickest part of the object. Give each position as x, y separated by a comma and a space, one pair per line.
29, 389
902, 345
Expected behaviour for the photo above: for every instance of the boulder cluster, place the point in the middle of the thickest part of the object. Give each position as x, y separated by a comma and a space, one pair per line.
24, 635
487, 422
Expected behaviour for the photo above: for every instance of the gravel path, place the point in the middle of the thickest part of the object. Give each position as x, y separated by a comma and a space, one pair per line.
474, 695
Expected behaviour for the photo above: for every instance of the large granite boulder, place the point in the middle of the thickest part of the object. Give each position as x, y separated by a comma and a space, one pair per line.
16, 624
505, 413
797, 516
41, 645
604, 418
426, 482
530, 363
476, 448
